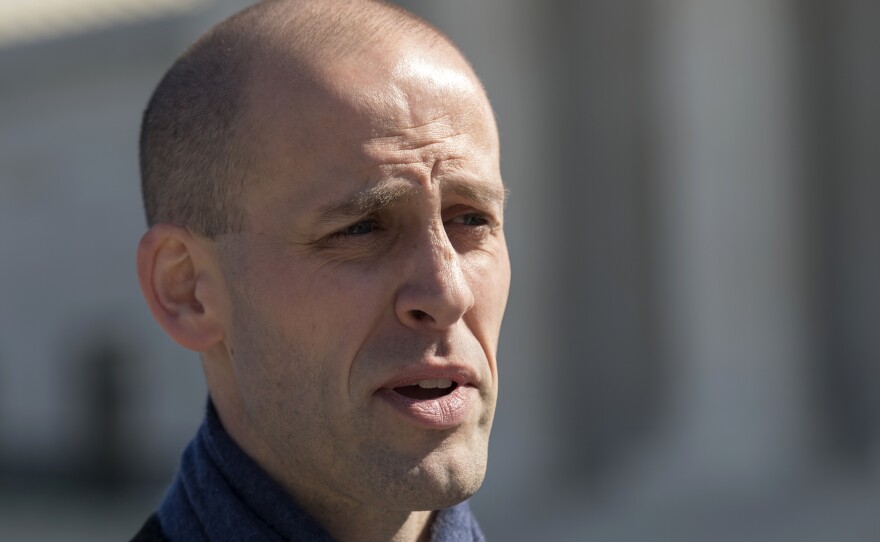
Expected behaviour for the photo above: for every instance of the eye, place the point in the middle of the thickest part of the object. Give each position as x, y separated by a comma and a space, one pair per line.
360, 228
471, 220
470, 230
366, 233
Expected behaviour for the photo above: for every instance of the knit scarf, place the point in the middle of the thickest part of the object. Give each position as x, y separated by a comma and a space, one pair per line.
220, 494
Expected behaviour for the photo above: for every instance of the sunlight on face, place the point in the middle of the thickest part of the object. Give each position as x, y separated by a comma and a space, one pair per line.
369, 286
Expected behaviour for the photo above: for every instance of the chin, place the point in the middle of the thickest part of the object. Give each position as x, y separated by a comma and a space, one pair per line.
441, 480
428, 496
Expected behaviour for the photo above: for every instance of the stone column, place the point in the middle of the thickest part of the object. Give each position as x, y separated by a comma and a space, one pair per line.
734, 307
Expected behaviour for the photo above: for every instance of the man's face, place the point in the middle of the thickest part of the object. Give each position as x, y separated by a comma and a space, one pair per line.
368, 288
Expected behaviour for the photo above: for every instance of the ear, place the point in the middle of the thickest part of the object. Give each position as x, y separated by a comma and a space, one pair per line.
183, 285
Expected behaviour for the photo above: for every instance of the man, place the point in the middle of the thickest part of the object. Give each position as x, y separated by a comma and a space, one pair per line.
321, 180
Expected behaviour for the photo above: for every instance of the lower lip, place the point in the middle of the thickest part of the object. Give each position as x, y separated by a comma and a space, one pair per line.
444, 412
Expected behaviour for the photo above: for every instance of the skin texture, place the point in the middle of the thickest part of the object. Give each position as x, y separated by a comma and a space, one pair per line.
373, 246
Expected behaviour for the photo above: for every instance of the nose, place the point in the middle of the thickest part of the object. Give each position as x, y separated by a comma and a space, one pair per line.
435, 293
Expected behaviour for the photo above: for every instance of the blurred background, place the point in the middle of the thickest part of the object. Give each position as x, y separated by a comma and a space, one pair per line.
691, 348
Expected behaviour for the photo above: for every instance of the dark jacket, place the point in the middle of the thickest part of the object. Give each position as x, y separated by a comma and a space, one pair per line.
151, 531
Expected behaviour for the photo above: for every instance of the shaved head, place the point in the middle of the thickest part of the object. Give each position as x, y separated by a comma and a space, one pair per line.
323, 185
198, 150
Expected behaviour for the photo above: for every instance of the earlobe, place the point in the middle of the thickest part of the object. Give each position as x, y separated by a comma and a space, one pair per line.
178, 276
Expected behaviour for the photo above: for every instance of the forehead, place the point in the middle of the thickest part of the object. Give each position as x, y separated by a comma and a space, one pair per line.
363, 119
399, 84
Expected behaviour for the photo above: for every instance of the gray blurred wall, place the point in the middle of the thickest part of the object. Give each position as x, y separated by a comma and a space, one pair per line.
690, 349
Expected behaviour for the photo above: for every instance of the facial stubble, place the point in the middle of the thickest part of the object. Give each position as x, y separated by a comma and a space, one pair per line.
352, 456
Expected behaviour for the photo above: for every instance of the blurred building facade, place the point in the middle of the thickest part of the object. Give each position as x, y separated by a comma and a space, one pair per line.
689, 351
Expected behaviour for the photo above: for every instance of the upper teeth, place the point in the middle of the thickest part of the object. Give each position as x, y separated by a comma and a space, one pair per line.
438, 383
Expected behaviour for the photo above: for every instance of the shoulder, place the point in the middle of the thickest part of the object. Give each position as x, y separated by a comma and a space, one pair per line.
151, 531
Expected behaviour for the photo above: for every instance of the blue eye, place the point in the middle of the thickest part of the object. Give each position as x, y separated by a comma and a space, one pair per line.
360, 228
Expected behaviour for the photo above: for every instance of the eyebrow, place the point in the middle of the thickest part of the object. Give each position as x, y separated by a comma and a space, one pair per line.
366, 202
375, 199
479, 192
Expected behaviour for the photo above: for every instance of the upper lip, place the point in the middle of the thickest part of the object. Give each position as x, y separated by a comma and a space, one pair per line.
411, 376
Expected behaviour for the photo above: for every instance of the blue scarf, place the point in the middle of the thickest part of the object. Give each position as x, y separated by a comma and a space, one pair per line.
220, 494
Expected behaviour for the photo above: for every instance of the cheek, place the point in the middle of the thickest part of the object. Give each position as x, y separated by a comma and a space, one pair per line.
323, 313
280, 370
490, 280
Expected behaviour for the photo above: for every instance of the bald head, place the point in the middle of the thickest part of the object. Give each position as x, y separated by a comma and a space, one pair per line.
199, 149
352, 156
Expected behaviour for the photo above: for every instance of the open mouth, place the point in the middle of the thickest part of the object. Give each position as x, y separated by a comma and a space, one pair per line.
436, 404
427, 389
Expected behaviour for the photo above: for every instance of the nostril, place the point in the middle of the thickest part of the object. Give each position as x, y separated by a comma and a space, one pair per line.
419, 315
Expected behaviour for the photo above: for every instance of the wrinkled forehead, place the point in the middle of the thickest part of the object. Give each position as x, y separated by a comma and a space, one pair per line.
319, 130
